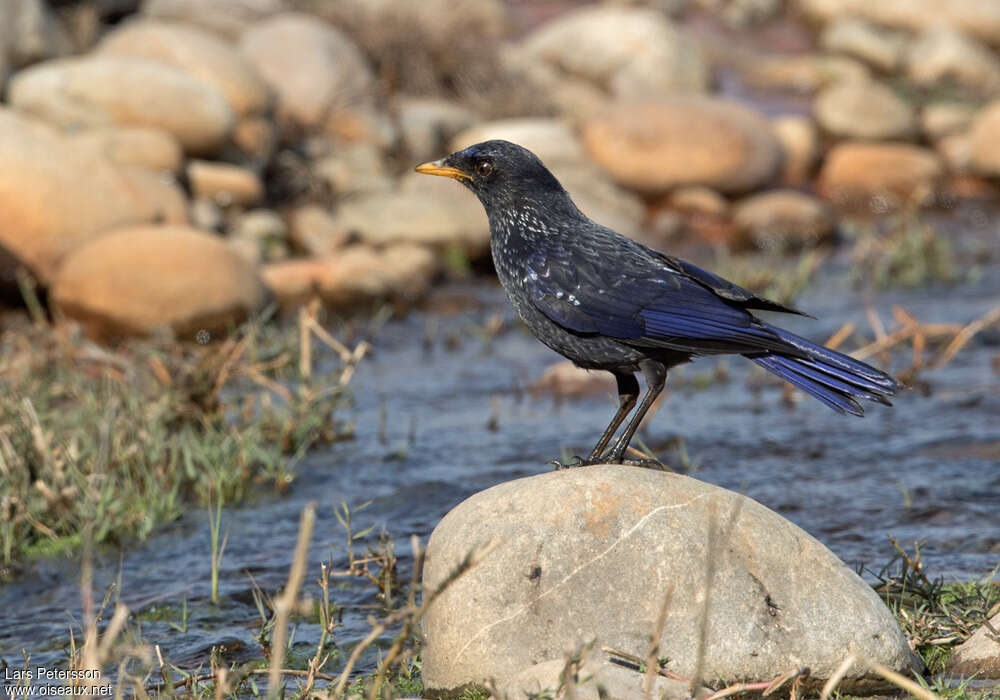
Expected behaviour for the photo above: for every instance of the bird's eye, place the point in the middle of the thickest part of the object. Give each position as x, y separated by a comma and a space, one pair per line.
484, 168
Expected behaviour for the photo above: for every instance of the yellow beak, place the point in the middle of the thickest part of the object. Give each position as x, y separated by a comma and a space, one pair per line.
437, 167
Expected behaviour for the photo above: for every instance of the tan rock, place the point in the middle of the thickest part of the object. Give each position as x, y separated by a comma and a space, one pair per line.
261, 234
985, 138
875, 46
135, 280
554, 582
314, 69
978, 655
255, 136
56, 197
698, 200
353, 169
427, 124
800, 145
294, 282
136, 146
104, 90
860, 171
783, 220
197, 53
653, 147
314, 231
565, 380
228, 19
957, 151
945, 55
802, 73
864, 110
224, 183
552, 140
938, 119
30, 32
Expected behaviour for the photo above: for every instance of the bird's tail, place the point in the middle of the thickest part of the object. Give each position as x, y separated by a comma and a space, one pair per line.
832, 377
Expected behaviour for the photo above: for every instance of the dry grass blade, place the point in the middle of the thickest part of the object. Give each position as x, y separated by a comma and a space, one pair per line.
286, 601
837, 676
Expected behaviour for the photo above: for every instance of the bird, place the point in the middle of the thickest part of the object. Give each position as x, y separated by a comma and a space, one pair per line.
607, 302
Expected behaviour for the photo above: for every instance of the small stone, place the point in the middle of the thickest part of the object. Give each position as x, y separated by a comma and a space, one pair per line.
554, 581
353, 169
943, 55
224, 183
206, 215
255, 136
265, 229
427, 124
228, 19
985, 138
565, 380
864, 110
153, 149
805, 73
800, 144
939, 119
652, 147
855, 171
136, 280
314, 231
783, 220
855, 37
979, 655
699, 200
957, 151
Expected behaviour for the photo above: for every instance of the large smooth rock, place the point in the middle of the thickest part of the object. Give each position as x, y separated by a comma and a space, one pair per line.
864, 109
980, 18
196, 52
101, 90
648, 57
978, 655
943, 55
985, 140
230, 18
652, 147
590, 554
873, 45
136, 280
855, 171
314, 69
55, 196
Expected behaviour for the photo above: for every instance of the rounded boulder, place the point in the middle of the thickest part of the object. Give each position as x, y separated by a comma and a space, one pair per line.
590, 554
652, 147
136, 280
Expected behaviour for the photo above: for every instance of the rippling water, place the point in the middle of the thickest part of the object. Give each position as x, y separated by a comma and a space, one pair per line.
456, 419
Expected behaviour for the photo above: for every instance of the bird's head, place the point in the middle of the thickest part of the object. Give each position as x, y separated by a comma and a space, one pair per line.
501, 173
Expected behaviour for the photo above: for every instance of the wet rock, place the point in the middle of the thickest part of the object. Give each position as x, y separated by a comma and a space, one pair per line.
649, 57
55, 197
939, 119
135, 280
804, 73
142, 147
652, 147
101, 90
314, 231
353, 276
978, 655
427, 124
554, 582
945, 55
985, 140
783, 220
874, 45
595, 677
426, 212
800, 146
197, 53
856, 172
565, 380
224, 183
979, 18
230, 18
315, 70
864, 110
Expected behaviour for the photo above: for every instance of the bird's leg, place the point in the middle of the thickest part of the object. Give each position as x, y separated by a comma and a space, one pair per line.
656, 375
628, 394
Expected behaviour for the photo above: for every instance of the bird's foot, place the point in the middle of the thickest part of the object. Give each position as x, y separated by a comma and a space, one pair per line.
577, 462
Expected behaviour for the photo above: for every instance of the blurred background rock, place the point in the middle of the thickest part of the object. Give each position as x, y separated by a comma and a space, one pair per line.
282, 133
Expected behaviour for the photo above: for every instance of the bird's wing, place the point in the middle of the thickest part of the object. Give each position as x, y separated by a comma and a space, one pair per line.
642, 300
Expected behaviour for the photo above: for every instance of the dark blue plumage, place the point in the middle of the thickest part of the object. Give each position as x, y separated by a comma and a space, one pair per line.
608, 302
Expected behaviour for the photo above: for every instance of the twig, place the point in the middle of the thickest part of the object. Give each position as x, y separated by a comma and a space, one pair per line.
965, 335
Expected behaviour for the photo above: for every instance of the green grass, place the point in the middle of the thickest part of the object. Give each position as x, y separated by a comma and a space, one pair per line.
108, 444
